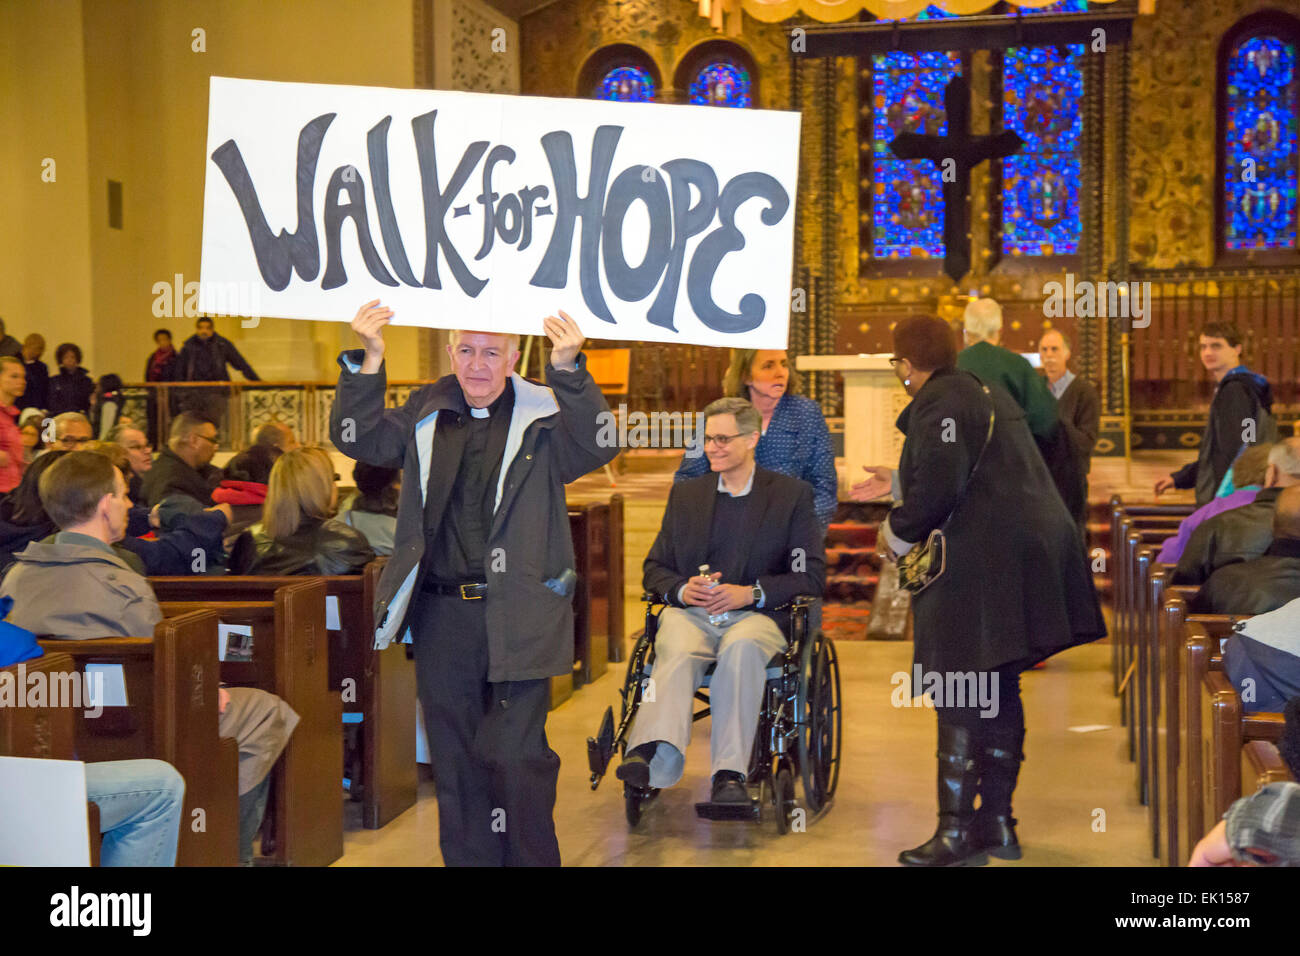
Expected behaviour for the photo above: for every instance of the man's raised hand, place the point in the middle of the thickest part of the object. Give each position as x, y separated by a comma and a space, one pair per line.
368, 324
566, 341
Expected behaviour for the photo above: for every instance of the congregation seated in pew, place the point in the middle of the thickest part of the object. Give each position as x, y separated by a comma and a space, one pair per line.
185, 466
1248, 479
139, 801
1265, 651
1264, 827
1242, 533
373, 509
298, 533
1261, 584
85, 496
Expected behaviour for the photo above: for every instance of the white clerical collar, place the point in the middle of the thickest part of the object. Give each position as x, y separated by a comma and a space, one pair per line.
480, 412
749, 485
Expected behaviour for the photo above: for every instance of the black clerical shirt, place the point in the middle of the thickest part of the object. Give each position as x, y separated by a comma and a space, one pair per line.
456, 548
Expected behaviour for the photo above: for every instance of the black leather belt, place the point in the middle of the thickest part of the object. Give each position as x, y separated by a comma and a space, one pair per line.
469, 591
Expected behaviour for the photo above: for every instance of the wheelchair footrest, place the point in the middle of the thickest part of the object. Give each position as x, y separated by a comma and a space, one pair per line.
727, 811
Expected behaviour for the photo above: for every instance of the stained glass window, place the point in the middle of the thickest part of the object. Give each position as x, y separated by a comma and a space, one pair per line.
627, 84
721, 83
1043, 90
1259, 149
907, 195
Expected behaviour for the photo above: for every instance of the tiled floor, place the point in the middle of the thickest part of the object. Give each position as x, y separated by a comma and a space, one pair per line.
1077, 801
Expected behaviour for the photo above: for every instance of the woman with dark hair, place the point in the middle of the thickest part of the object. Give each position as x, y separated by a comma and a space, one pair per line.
794, 439
373, 509
161, 367
71, 389
106, 406
1015, 588
22, 516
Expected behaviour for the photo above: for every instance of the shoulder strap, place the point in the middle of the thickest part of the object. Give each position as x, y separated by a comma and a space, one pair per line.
978, 458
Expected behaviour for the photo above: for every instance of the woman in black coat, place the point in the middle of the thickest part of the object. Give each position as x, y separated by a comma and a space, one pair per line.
71, 388
1016, 588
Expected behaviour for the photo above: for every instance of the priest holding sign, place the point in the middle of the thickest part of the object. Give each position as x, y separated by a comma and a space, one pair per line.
482, 574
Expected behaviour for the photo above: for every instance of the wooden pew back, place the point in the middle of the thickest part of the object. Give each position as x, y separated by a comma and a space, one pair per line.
171, 714
379, 686
291, 660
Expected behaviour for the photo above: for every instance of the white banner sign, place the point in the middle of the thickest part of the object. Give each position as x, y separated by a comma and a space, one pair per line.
475, 211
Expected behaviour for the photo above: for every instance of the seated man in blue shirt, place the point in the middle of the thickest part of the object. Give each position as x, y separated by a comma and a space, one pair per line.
759, 533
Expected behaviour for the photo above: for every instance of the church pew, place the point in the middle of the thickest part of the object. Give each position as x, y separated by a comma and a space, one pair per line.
1159, 515
171, 714
45, 732
1262, 764
1229, 728
1149, 529
291, 660
1130, 621
589, 523
378, 687
1203, 635
1157, 584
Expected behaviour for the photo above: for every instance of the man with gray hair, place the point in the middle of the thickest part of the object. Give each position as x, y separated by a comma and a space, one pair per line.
735, 547
1078, 405
1245, 533
994, 365
482, 574
71, 431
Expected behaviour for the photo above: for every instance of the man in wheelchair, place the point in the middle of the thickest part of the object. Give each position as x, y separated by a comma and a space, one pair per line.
758, 533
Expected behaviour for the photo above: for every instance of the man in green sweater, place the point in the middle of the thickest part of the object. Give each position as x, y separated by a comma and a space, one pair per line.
995, 365
992, 363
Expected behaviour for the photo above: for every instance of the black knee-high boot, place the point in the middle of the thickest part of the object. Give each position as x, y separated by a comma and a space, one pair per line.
951, 844
994, 828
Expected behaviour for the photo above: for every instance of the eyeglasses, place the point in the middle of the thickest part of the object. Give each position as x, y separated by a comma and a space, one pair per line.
893, 362
722, 441
145, 447
69, 440
211, 438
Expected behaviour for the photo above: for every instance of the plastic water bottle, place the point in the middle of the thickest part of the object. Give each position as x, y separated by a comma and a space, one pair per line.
715, 619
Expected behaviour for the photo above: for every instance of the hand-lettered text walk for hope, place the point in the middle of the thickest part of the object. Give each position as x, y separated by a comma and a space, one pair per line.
681, 218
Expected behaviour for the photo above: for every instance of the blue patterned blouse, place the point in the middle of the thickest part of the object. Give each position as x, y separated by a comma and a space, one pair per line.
797, 443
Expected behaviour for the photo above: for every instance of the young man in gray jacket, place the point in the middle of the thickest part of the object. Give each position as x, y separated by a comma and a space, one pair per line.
482, 564
73, 586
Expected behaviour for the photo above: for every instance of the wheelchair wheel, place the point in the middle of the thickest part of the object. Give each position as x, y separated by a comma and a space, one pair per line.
634, 801
783, 798
818, 743
631, 679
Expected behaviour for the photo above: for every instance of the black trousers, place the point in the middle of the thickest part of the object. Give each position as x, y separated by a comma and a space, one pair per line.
1006, 729
494, 771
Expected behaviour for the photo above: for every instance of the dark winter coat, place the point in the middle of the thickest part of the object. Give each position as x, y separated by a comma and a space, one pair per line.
553, 440
1253, 587
1017, 587
70, 392
37, 392
205, 360
1239, 534
170, 475
1241, 395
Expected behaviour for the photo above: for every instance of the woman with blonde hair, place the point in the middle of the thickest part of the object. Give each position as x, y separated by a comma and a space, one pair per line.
794, 441
298, 533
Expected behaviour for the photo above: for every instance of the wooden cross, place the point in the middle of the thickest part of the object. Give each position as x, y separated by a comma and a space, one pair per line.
956, 154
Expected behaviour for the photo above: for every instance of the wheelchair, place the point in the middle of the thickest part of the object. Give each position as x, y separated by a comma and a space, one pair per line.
799, 724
